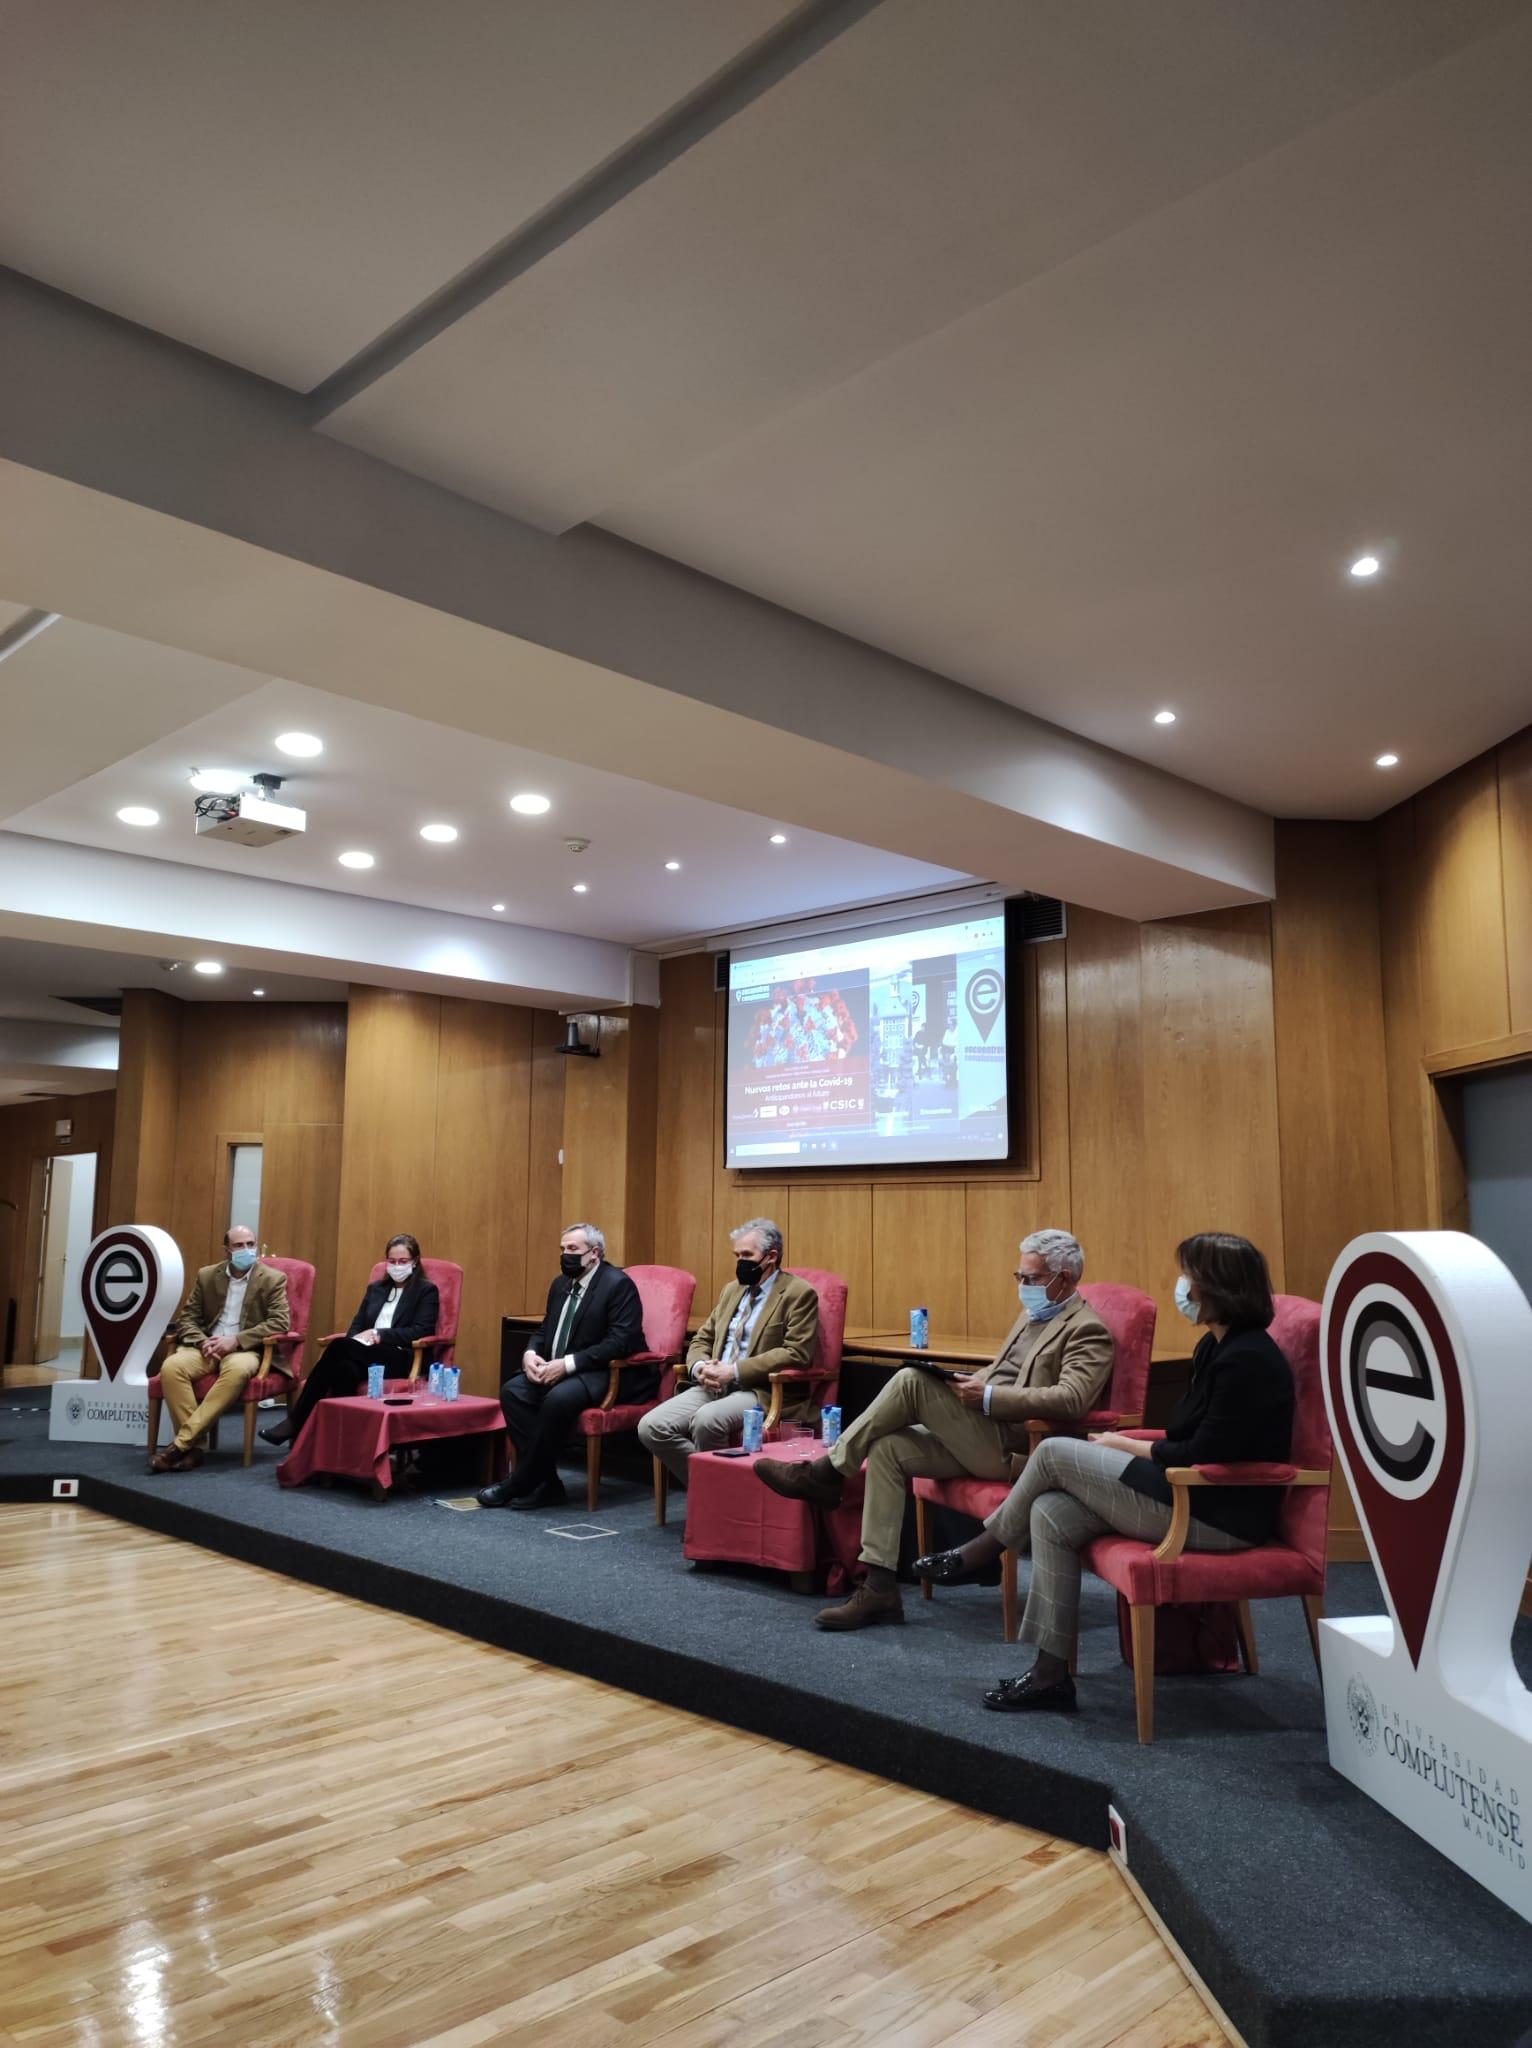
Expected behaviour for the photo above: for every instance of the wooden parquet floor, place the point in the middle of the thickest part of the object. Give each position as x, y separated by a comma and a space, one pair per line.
235, 1809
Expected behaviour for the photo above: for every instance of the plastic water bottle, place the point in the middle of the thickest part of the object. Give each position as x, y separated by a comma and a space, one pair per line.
829, 1426
451, 1377
374, 1382
755, 1428
920, 1329
434, 1379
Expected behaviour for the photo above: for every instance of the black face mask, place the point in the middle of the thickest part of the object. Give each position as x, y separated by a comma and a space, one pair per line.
571, 1264
748, 1272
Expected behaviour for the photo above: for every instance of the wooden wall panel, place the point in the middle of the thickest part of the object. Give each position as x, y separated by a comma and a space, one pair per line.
831, 1229
1403, 1031
1210, 1095
1464, 998
545, 1175
683, 1155
919, 1255
997, 1216
479, 1208
144, 1134
1515, 761
609, 1134
388, 1168
1332, 1093
1106, 1094
300, 1211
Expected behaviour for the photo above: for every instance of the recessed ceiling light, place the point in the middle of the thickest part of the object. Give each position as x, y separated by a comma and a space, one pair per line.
530, 805
779, 839
672, 867
257, 991
1387, 761
439, 835
138, 814
497, 906
1164, 718
208, 966
218, 781
304, 745
581, 888
355, 860
1365, 566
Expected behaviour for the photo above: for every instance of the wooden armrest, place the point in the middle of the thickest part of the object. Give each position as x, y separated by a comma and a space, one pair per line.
616, 1367
274, 1344
794, 1373
1184, 1477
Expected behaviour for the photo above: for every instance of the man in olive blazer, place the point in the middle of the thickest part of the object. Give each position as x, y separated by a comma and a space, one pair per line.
1052, 1367
233, 1307
764, 1320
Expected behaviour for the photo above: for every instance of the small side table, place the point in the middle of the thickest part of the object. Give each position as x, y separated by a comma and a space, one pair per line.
355, 1437
731, 1518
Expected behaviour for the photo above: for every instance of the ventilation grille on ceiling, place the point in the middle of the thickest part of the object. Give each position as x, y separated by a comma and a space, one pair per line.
1038, 918
105, 1006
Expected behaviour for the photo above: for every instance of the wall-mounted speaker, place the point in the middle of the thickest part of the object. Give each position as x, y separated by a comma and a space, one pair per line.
721, 972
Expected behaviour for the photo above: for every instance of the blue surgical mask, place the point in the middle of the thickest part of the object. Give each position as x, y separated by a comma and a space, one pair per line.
1190, 1309
243, 1258
1034, 1299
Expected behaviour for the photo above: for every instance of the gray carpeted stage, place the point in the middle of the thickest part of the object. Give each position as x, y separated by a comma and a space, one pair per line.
1312, 1917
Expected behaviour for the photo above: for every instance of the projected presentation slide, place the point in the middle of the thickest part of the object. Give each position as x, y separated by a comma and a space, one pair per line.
870, 1050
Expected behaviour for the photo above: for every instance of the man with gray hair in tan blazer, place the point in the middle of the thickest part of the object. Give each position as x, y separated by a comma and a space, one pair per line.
1052, 1367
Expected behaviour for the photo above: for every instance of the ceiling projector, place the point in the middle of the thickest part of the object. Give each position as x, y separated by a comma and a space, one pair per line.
249, 817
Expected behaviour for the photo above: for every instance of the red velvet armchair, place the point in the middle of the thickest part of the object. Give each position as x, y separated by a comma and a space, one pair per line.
1291, 1564
820, 1377
281, 1360
1130, 1315
447, 1278
666, 1293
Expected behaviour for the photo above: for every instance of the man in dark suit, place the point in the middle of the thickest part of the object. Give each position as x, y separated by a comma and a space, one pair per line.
593, 1316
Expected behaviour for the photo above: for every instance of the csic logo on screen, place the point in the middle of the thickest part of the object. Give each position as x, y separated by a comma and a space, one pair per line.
1424, 1343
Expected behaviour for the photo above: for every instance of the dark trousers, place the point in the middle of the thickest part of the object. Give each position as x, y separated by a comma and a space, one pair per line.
342, 1369
540, 1420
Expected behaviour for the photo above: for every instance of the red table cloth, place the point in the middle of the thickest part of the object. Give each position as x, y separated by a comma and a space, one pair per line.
732, 1518
353, 1436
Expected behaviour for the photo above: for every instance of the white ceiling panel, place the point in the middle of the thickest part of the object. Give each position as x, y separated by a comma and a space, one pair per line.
384, 775
277, 183
1137, 481
922, 165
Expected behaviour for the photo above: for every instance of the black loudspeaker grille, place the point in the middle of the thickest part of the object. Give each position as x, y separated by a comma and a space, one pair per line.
721, 971
1042, 917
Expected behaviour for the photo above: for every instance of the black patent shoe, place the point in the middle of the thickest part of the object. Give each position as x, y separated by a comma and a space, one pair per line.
550, 1494
499, 1495
280, 1433
1023, 1696
943, 1568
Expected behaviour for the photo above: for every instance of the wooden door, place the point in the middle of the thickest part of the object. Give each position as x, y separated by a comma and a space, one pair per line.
58, 1176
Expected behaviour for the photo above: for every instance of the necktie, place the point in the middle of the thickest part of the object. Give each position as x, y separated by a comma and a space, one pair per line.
736, 1344
566, 1320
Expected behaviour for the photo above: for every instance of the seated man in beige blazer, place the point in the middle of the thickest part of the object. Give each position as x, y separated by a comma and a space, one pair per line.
764, 1321
232, 1309
1052, 1366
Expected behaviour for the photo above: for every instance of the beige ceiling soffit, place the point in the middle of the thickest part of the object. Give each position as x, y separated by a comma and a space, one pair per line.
773, 57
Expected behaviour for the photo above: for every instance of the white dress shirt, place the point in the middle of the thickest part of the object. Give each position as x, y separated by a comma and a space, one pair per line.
227, 1324
386, 1312
742, 1323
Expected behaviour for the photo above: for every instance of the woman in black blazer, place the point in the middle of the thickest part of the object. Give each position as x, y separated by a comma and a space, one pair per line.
1238, 1408
395, 1310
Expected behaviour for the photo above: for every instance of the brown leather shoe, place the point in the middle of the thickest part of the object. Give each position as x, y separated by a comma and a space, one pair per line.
863, 1609
812, 1479
169, 1459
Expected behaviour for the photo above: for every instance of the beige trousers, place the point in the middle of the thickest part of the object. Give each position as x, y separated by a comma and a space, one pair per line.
178, 1376
916, 1427
694, 1420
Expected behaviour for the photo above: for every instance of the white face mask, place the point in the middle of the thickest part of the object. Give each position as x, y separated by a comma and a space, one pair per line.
399, 1273
1189, 1308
